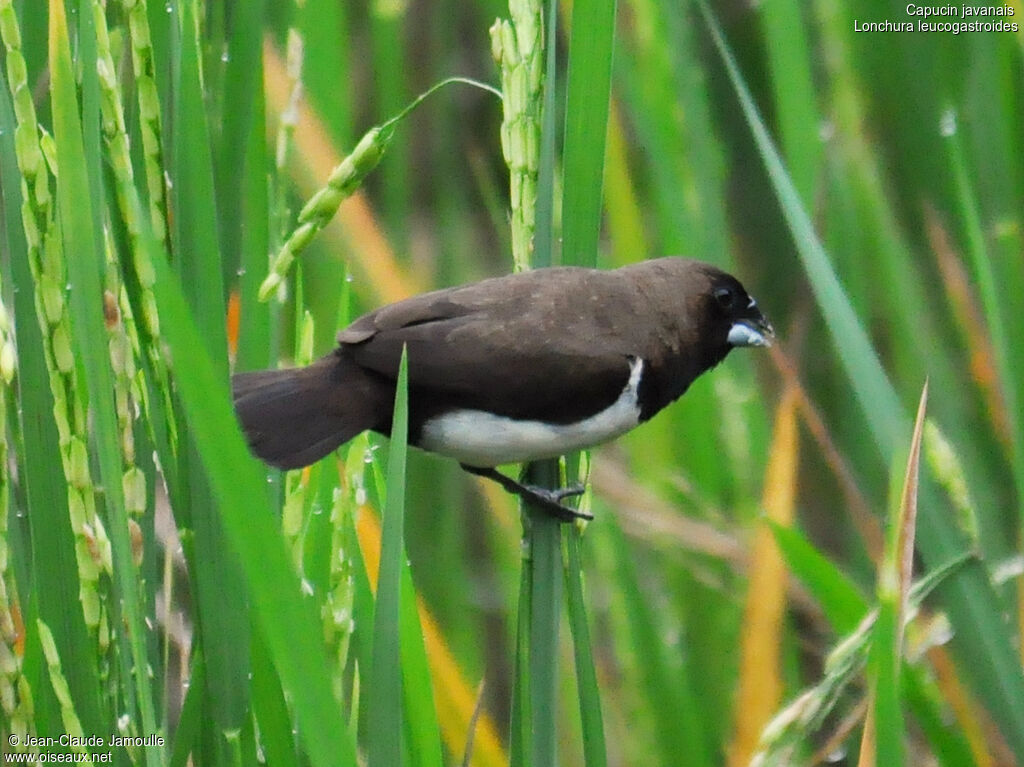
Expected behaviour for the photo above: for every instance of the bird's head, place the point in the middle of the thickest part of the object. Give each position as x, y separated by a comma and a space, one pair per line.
735, 312
726, 315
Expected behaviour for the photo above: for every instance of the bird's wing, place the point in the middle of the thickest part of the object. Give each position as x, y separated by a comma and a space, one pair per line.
520, 347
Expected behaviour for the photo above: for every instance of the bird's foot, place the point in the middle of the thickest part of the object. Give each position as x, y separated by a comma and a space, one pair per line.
548, 500
551, 501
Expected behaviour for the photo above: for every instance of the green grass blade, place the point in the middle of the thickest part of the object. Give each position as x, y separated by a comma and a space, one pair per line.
424, 732
884, 730
224, 622
422, 744
195, 240
318, 531
842, 601
86, 57
255, 349
290, 627
545, 563
164, 33
326, 67
363, 608
384, 701
883, 667
544, 234
790, 59
594, 751
930, 714
242, 87
270, 709
520, 744
390, 60
586, 118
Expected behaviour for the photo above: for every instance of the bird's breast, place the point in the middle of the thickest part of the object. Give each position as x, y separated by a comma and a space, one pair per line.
480, 438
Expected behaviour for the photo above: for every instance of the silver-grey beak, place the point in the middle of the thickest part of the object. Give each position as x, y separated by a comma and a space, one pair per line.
751, 333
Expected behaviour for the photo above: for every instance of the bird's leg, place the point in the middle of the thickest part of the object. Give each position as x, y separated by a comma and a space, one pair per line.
548, 500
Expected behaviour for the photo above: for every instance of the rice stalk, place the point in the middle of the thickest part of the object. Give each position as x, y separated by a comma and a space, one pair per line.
46, 261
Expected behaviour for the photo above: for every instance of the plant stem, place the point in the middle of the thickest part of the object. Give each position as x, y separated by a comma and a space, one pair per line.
543, 534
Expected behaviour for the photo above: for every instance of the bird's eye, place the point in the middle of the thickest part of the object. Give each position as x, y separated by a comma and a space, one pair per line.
726, 298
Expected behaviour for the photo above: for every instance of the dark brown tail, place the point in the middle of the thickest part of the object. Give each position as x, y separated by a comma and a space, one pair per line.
295, 417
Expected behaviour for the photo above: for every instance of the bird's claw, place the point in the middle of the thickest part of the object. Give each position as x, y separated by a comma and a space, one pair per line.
551, 501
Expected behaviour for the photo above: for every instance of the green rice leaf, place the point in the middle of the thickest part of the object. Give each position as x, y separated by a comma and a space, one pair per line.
594, 752
384, 698
270, 708
545, 563
883, 664
255, 341
424, 732
790, 57
242, 89
223, 618
842, 601
586, 118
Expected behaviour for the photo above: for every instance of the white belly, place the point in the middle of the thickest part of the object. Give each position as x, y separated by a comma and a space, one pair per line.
478, 438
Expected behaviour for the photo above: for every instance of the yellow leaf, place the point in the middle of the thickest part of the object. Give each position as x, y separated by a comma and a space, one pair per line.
760, 685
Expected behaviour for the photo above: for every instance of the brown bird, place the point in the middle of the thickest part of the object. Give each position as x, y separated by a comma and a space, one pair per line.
510, 369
